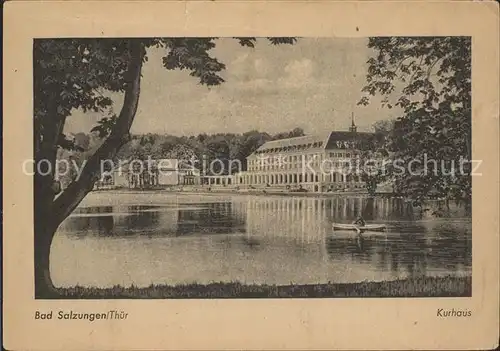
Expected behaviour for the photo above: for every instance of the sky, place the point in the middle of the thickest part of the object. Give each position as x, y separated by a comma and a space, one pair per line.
314, 84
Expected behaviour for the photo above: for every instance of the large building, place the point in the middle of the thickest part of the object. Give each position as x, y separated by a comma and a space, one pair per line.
314, 163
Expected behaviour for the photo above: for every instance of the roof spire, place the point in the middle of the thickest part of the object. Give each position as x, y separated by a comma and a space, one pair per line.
353, 127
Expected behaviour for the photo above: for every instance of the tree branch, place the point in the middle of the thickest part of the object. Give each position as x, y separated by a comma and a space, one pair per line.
416, 70
401, 63
77, 190
429, 70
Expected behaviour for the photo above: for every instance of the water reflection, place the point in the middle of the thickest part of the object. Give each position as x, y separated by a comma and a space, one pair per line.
259, 239
173, 220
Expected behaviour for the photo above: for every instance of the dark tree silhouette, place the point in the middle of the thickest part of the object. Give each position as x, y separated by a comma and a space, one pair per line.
72, 73
429, 79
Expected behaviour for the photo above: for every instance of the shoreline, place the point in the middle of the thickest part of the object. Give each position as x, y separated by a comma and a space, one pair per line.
234, 192
447, 286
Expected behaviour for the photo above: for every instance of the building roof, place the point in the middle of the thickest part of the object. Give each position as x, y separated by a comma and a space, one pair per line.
310, 141
340, 136
326, 141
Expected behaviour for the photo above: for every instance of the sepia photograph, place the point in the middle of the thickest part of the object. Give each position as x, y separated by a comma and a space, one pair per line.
235, 175
247, 167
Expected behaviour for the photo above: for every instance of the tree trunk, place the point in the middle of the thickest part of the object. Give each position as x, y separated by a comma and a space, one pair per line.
45, 150
49, 213
43, 198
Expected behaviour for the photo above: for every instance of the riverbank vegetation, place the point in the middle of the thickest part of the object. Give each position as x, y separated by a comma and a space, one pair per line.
223, 147
417, 287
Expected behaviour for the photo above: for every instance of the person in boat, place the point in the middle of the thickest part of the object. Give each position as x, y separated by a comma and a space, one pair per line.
359, 221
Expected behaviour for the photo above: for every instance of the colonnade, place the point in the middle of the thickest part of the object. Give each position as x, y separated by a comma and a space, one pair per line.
292, 178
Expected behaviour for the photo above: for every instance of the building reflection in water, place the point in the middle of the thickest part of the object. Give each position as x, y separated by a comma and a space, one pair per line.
174, 219
409, 246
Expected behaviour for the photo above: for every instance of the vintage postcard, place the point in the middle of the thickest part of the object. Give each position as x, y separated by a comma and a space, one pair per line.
251, 175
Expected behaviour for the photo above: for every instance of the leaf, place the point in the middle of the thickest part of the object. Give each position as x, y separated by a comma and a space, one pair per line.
104, 126
282, 40
250, 42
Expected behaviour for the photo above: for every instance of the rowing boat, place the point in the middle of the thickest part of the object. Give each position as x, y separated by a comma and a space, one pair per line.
358, 228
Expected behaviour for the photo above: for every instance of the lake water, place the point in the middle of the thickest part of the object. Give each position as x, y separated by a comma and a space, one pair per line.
161, 238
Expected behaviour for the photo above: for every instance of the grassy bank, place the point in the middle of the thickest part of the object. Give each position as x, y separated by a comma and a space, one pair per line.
419, 287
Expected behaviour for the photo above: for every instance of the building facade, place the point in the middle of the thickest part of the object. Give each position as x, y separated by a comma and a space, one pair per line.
316, 163
160, 173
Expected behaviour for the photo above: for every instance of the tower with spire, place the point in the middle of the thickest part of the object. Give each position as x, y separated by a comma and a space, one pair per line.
353, 127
